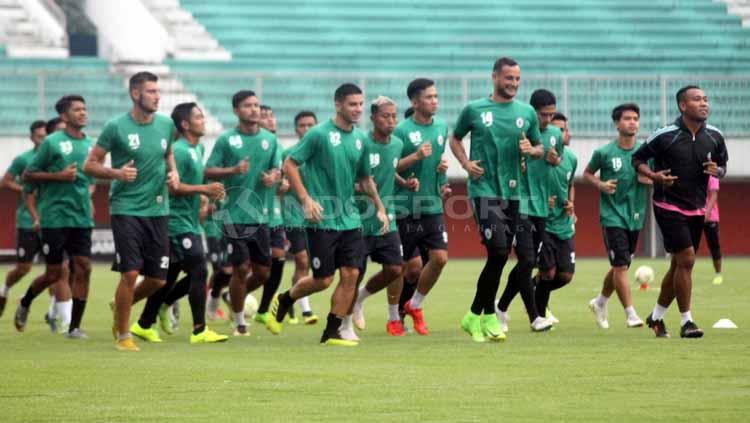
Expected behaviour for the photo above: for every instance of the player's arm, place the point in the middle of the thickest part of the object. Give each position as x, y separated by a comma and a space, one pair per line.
368, 187
532, 144
204, 209
424, 150
173, 177
713, 198
212, 190
94, 167
648, 151
216, 165
312, 210
37, 169
29, 200
459, 152
10, 183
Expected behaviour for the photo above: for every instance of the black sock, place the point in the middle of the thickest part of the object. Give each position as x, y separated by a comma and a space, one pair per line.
406, 293
28, 297
220, 280
197, 273
154, 302
199, 328
333, 323
180, 289
541, 294
510, 291
557, 283
285, 301
526, 286
489, 282
77, 314
271, 285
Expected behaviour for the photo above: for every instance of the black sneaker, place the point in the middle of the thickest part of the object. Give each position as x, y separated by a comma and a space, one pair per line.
690, 330
657, 326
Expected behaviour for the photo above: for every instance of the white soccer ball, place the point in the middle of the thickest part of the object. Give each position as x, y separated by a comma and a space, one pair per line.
644, 275
251, 306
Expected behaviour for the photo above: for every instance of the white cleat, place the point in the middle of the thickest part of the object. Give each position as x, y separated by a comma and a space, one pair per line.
600, 314
551, 317
348, 334
503, 317
634, 322
540, 324
358, 317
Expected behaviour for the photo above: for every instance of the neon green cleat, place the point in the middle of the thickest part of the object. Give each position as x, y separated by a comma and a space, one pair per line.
207, 337
150, 334
491, 328
272, 325
718, 280
292, 320
310, 319
338, 342
262, 318
164, 320
472, 325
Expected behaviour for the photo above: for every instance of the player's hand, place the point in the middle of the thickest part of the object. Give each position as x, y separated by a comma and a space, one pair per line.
552, 157
445, 191
442, 167
523, 164
127, 173
173, 179
412, 184
357, 187
475, 171
69, 173
383, 218
663, 177
283, 186
575, 218
524, 145
568, 207
707, 216
710, 168
203, 210
551, 201
424, 150
36, 226
312, 210
268, 178
644, 180
242, 167
215, 191
608, 187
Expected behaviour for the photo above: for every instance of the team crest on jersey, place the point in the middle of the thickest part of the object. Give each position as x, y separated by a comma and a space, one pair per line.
276, 211
194, 155
66, 147
334, 138
264, 144
235, 141
519, 122
358, 144
164, 144
440, 140
636, 216
553, 141
45, 249
395, 163
159, 199
21, 252
374, 160
488, 233
316, 263
512, 183
187, 243
415, 137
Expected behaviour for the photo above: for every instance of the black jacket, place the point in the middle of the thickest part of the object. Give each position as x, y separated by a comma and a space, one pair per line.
673, 147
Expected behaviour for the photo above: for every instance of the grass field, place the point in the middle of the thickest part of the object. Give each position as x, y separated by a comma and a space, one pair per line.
575, 373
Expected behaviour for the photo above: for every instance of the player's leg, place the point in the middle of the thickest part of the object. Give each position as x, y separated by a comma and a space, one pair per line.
298, 249
711, 229
564, 268
220, 276
526, 252
545, 278
143, 327
238, 250
274, 279
79, 249
684, 279
28, 244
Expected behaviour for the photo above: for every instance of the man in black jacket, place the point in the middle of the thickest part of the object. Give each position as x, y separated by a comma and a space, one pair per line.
684, 155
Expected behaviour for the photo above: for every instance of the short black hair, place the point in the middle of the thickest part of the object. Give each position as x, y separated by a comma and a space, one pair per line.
560, 116
408, 112
240, 96
542, 98
64, 103
36, 125
51, 125
265, 107
680, 96
345, 90
622, 108
503, 61
139, 78
181, 113
417, 86
304, 114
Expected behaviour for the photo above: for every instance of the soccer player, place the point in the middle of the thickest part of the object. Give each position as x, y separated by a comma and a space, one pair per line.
65, 213
384, 151
267, 118
334, 156
142, 169
711, 227
245, 211
684, 155
420, 213
503, 131
221, 270
535, 187
557, 257
622, 210
294, 220
186, 244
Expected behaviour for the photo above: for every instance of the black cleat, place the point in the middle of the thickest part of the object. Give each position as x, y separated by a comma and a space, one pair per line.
660, 330
690, 330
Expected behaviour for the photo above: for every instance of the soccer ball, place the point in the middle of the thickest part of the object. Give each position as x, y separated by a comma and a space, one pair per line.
644, 275
251, 306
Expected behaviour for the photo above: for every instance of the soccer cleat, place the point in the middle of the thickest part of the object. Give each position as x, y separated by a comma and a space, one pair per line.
22, 315
658, 326
600, 314
150, 334
76, 333
273, 325
540, 324
207, 337
348, 334
472, 325
491, 328
420, 326
165, 319
634, 322
310, 318
551, 317
358, 317
690, 330
126, 344
337, 340
114, 331
52, 323
3, 300
262, 318
503, 317
718, 280
292, 320
394, 328
241, 330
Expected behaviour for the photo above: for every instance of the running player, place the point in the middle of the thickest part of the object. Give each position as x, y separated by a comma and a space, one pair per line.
267, 118
711, 227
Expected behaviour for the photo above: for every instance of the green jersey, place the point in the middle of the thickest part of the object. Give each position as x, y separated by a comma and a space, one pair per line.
247, 198
292, 210
334, 160
496, 129
147, 146
626, 208
561, 178
184, 210
19, 164
63, 204
383, 160
212, 227
427, 199
535, 181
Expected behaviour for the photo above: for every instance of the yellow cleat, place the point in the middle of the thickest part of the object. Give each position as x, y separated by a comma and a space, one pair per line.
718, 280
337, 342
207, 337
292, 320
311, 319
272, 325
150, 334
126, 344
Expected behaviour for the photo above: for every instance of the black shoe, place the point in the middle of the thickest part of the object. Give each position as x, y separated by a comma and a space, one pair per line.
3, 300
657, 326
690, 330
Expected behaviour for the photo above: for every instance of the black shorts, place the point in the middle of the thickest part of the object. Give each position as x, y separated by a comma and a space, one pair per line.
679, 231
217, 251
278, 237
141, 243
330, 250
425, 233
186, 249
248, 243
28, 245
297, 238
385, 250
711, 229
559, 254
621, 245
502, 227
76, 242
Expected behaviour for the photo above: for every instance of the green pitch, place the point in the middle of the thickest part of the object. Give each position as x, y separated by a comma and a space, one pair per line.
575, 373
